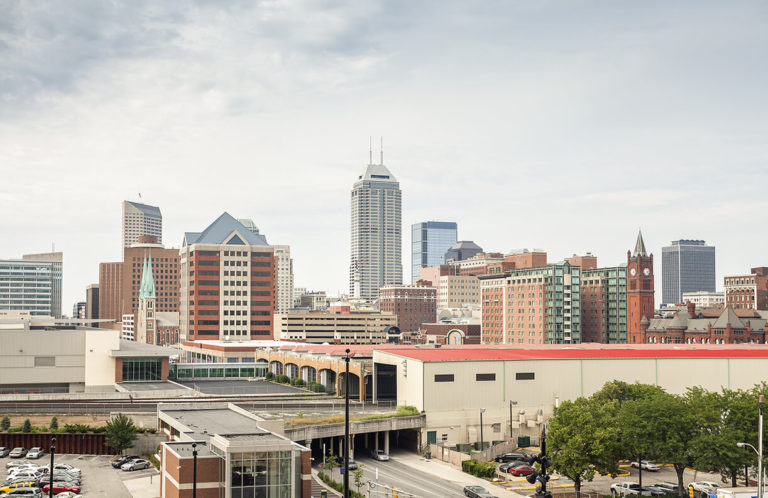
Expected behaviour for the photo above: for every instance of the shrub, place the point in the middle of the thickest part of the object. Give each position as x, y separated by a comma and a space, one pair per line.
283, 379
5, 424
406, 411
54, 423
269, 376
296, 381
27, 426
479, 469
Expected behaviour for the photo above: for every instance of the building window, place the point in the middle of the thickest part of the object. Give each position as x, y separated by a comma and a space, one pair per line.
443, 377
524, 376
142, 369
485, 377
45, 361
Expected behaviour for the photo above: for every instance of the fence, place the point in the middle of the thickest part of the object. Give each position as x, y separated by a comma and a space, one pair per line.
496, 450
77, 444
440, 452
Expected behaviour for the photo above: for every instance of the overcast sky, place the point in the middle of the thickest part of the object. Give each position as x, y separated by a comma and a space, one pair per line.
564, 125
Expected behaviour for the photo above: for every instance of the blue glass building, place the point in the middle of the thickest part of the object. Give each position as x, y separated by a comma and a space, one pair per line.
429, 242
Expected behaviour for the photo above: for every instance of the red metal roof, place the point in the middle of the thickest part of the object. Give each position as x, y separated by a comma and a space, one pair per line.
578, 351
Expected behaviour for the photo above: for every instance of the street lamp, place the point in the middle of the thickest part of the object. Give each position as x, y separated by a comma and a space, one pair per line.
759, 449
50, 475
482, 444
346, 426
194, 470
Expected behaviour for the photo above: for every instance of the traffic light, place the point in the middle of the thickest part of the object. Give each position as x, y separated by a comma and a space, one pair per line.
540, 477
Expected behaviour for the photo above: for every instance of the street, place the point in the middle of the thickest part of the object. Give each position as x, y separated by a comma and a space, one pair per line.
408, 481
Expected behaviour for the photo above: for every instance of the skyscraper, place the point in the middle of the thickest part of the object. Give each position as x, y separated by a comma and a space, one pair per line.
56, 260
283, 268
686, 266
429, 242
32, 284
641, 295
141, 219
376, 239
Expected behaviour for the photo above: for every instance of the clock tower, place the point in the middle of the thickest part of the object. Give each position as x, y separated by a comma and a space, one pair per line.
640, 297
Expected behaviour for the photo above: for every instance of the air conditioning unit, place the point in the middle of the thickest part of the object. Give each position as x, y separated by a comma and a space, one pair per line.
532, 423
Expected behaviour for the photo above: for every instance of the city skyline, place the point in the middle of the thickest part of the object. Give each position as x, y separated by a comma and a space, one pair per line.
513, 110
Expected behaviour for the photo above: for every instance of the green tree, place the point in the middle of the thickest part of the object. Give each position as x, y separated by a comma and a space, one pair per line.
120, 432
27, 426
641, 428
583, 440
331, 462
5, 424
619, 392
54, 423
359, 478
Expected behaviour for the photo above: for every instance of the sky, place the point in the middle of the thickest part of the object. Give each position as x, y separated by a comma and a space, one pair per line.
562, 125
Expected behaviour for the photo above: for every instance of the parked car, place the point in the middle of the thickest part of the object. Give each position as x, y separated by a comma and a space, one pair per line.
352, 465
68, 494
18, 452
671, 487
64, 477
137, 464
24, 473
60, 487
522, 470
702, 488
646, 465
118, 462
7, 488
35, 453
18, 463
477, 492
513, 456
4, 451
380, 456
506, 466
28, 492
628, 488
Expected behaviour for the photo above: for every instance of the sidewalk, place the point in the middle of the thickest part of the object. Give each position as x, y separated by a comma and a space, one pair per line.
144, 487
446, 472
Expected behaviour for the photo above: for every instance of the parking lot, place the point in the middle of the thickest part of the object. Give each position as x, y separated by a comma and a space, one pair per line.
99, 478
601, 485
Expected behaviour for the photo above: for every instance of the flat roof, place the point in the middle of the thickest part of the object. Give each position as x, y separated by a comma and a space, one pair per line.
578, 351
133, 349
210, 421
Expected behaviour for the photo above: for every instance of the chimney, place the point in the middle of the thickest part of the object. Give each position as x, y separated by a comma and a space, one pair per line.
691, 308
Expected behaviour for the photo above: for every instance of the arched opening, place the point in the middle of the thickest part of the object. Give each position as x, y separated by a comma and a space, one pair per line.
354, 385
291, 370
276, 368
309, 374
327, 378
455, 336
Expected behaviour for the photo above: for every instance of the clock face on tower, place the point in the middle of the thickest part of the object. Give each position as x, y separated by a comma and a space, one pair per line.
646, 271
632, 272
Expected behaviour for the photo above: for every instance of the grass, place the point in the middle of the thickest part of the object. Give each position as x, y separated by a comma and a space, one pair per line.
402, 411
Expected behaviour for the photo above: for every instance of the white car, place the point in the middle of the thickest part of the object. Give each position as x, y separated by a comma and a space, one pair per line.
704, 486
646, 465
35, 453
628, 488
62, 466
68, 494
136, 465
26, 474
380, 456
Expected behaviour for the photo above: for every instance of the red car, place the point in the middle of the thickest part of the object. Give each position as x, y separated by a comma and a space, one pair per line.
522, 470
60, 487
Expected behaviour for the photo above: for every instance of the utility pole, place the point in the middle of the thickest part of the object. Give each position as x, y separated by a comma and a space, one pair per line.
346, 426
482, 443
194, 470
511, 404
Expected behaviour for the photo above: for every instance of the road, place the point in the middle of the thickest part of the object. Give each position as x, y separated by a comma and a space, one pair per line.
410, 482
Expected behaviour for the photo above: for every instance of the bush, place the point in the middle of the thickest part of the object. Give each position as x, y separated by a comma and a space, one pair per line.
337, 485
54, 423
296, 381
5, 424
27, 426
269, 376
406, 411
283, 379
479, 469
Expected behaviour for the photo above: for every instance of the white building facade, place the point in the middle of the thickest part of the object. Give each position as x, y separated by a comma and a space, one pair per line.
284, 279
141, 219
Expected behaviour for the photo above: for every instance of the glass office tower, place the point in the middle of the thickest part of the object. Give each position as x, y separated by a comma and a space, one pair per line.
686, 266
429, 242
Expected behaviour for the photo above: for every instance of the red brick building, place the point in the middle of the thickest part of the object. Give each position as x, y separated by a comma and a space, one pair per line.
712, 326
585, 261
227, 283
640, 292
413, 304
747, 291
447, 333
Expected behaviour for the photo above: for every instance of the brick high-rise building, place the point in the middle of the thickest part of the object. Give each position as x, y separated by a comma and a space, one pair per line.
640, 292
227, 283
747, 291
585, 261
413, 304
540, 305
110, 293
524, 258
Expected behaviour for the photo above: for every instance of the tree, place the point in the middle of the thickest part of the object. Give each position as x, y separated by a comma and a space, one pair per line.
683, 419
27, 426
641, 428
331, 462
120, 432
359, 478
5, 424
54, 423
620, 392
583, 440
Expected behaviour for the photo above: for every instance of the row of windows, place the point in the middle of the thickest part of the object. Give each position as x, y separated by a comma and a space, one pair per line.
483, 377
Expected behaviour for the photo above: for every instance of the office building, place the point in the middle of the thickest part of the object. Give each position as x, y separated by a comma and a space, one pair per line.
313, 301
284, 282
32, 284
141, 219
376, 239
92, 302
686, 266
338, 325
706, 299
457, 291
413, 304
78, 310
478, 264
604, 305
461, 250
747, 291
586, 261
430, 240
111, 292
526, 258
641, 297
227, 283
540, 305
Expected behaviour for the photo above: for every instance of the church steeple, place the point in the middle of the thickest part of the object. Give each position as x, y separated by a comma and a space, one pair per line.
147, 289
640, 245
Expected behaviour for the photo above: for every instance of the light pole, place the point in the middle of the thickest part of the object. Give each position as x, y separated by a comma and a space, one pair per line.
194, 470
760, 479
346, 426
50, 474
482, 444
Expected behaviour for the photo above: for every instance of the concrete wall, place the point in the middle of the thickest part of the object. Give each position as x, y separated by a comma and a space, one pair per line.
99, 365
18, 349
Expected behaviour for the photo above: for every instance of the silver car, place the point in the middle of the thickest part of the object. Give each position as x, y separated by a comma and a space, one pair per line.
136, 465
35, 453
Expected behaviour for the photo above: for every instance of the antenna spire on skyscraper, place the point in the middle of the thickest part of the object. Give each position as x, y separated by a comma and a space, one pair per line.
382, 152
370, 149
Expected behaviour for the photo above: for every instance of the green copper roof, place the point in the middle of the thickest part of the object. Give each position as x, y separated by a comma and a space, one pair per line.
147, 289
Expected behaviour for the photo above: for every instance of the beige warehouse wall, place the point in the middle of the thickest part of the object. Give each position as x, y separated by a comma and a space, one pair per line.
99, 364
18, 349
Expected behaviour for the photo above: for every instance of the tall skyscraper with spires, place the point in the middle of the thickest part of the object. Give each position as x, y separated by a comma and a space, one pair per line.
376, 235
